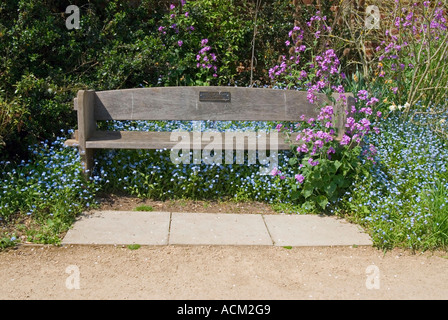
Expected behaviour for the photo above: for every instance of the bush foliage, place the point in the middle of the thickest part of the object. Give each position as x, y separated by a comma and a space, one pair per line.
121, 44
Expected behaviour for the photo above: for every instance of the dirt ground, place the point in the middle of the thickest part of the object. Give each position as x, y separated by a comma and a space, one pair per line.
127, 203
215, 272
218, 272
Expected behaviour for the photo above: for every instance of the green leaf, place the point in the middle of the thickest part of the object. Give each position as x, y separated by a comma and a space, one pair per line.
339, 180
316, 175
295, 195
330, 189
292, 161
322, 201
337, 164
308, 205
307, 190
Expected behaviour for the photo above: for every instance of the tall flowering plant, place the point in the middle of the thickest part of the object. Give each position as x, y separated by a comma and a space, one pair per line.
188, 58
325, 160
412, 63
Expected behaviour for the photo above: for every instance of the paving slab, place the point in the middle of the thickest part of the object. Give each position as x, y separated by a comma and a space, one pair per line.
184, 228
218, 229
314, 230
120, 227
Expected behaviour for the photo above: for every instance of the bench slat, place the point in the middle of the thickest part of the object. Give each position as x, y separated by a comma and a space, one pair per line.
184, 103
161, 140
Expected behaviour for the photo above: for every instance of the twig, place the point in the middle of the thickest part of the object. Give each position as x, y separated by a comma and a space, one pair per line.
257, 7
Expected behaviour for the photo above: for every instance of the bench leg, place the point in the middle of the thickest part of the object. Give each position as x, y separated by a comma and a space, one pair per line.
87, 161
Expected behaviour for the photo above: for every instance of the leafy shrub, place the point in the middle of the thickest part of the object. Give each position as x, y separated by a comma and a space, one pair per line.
119, 45
11, 117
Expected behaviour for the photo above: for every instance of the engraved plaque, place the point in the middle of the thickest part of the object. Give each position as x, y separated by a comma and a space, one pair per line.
214, 96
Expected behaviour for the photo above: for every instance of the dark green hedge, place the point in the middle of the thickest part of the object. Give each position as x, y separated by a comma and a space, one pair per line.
119, 45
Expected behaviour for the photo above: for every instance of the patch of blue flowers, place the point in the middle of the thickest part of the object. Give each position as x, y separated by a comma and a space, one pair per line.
151, 173
48, 187
404, 200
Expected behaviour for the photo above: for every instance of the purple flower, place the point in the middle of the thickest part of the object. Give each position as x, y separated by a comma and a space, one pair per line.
313, 163
172, 6
299, 178
345, 140
366, 110
328, 110
303, 148
372, 101
180, 43
319, 143
311, 96
363, 94
365, 123
350, 123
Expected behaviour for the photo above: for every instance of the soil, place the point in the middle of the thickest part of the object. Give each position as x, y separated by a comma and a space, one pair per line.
218, 272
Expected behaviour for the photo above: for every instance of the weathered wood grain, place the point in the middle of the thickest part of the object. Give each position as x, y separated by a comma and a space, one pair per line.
182, 103
186, 140
86, 126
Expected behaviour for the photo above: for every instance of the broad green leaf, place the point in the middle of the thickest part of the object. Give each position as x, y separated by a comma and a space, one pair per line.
337, 164
322, 201
292, 161
330, 189
307, 190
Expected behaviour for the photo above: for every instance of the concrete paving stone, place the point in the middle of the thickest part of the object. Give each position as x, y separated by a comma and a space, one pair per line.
120, 227
314, 230
217, 229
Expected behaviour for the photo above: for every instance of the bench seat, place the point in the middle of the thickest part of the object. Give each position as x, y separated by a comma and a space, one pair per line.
162, 140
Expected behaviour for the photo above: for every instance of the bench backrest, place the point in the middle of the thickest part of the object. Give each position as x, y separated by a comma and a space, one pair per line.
200, 103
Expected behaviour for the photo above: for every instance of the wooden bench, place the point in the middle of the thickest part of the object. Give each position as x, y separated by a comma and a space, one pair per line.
184, 103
